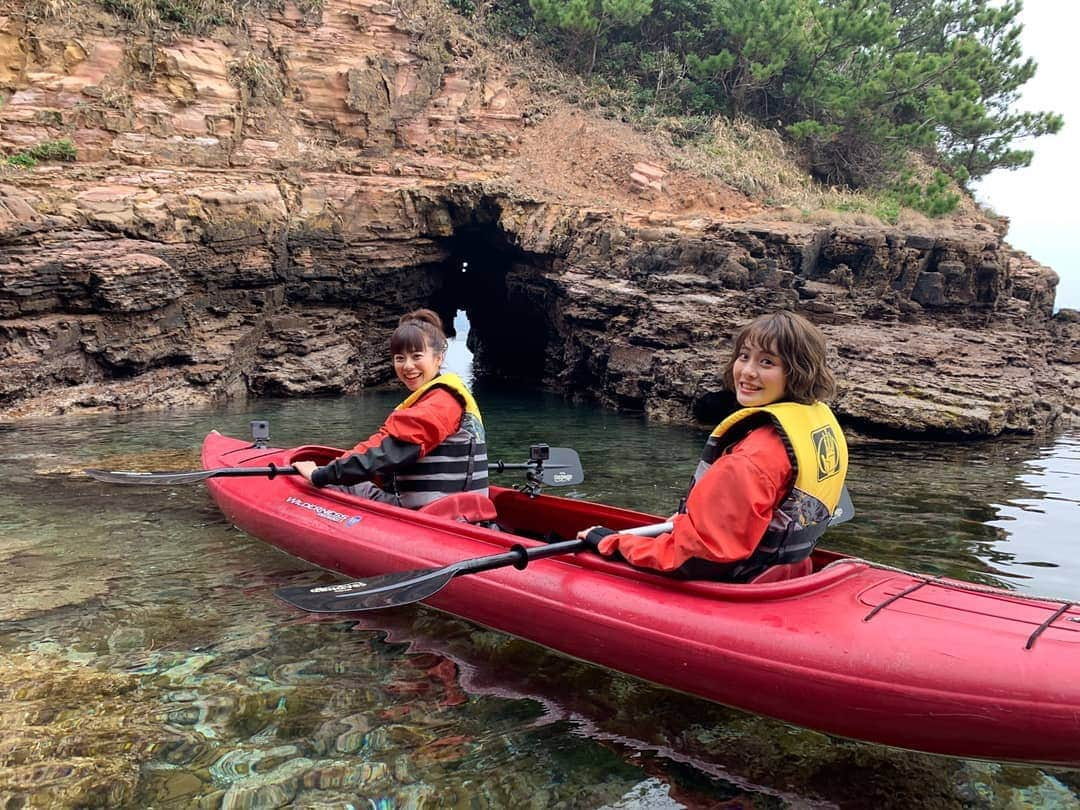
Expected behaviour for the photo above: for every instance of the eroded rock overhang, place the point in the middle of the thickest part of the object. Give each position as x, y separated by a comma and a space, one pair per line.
155, 290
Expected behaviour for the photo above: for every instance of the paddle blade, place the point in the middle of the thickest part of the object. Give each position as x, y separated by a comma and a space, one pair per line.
158, 478
845, 509
381, 591
192, 477
563, 468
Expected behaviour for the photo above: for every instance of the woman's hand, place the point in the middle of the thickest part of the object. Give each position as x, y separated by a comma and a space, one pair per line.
593, 535
305, 468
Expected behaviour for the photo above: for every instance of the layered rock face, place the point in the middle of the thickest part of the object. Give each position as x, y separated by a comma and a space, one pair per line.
250, 214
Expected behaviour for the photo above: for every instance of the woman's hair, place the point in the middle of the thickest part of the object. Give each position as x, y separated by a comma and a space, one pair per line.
416, 331
801, 347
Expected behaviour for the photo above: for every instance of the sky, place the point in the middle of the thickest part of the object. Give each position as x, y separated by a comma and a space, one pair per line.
1042, 201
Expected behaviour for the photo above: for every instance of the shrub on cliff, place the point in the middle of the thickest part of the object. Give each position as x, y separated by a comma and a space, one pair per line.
195, 16
62, 149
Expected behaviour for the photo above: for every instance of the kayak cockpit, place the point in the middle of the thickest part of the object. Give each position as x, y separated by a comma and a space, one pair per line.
552, 518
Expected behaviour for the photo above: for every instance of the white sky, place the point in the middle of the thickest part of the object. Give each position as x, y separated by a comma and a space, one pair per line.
1041, 200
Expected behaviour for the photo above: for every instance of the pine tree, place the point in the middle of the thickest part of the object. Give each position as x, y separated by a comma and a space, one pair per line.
976, 105
591, 19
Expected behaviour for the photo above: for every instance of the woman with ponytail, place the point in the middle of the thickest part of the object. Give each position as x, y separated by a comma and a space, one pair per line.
431, 445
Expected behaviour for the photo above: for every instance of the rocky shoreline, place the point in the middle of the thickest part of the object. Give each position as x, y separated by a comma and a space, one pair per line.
208, 245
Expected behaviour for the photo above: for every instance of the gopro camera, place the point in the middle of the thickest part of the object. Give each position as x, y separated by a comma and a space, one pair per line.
539, 452
260, 432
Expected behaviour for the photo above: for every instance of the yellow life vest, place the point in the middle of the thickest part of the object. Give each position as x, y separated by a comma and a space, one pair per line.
454, 383
819, 458
814, 440
459, 464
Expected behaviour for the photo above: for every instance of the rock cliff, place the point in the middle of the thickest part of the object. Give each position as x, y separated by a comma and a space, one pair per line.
249, 214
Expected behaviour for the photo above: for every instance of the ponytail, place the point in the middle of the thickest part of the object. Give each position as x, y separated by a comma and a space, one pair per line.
418, 330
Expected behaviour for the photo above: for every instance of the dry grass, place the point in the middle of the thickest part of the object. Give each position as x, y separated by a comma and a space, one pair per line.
48, 9
748, 158
258, 78
757, 162
194, 16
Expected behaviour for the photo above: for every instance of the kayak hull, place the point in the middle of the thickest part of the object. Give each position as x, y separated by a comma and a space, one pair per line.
852, 649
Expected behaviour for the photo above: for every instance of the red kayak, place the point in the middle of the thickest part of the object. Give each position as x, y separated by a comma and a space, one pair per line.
850, 649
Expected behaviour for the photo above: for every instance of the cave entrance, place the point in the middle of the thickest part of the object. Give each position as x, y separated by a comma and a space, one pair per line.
459, 357
503, 301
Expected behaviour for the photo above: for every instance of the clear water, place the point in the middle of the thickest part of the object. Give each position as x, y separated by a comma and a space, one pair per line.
145, 661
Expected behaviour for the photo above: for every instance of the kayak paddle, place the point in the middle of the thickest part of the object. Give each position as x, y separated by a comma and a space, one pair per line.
405, 587
562, 468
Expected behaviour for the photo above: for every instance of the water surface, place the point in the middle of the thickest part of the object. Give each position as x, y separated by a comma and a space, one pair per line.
145, 661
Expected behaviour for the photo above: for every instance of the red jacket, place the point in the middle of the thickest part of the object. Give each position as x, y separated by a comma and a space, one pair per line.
727, 512
427, 423
408, 434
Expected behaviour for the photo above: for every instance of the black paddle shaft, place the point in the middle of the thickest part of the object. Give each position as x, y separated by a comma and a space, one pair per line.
518, 556
563, 469
406, 587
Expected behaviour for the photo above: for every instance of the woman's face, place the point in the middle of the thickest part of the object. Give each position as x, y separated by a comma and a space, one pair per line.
418, 367
759, 376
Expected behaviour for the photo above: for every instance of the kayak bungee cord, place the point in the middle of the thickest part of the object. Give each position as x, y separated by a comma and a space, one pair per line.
926, 579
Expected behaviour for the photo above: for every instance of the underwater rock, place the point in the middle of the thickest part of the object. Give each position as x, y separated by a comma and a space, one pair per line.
71, 736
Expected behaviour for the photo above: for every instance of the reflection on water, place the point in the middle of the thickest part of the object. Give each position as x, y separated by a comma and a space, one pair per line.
145, 663
1040, 528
